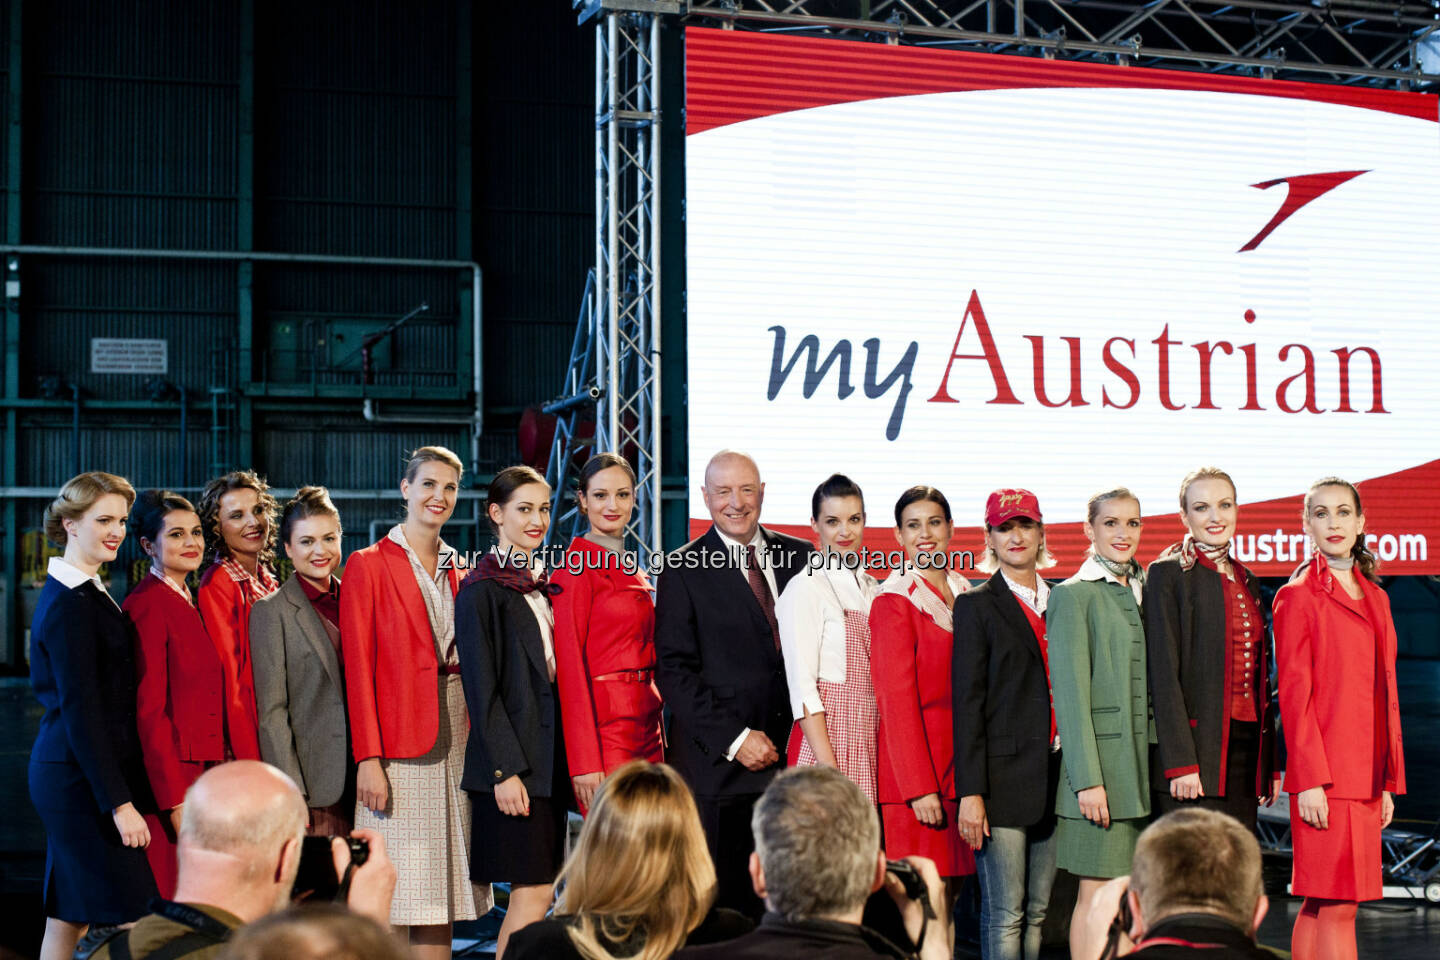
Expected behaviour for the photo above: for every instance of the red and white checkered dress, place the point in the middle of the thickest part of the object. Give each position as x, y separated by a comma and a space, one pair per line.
851, 720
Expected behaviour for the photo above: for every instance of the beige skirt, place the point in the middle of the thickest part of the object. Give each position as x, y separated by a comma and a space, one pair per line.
427, 826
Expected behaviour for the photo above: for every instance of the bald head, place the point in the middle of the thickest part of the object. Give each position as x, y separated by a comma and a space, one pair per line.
734, 494
245, 808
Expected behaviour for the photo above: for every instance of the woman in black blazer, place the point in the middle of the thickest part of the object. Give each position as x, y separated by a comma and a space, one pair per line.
1007, 763
86, 773
515, 766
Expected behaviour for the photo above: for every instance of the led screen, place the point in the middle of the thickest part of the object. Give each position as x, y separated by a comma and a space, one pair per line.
912, 266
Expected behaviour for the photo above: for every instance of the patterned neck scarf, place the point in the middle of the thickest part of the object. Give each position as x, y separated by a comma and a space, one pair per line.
1338, 563
262, 582
1129, 569
513, 576
1190, 550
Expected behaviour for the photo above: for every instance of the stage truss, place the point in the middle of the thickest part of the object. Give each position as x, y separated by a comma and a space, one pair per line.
1378, 44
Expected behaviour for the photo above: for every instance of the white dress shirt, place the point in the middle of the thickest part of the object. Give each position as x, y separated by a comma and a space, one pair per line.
1091, 570
544, 614
1034, 599
811, 613
71, 576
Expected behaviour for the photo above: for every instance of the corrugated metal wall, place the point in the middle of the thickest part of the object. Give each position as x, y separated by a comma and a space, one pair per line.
432, 129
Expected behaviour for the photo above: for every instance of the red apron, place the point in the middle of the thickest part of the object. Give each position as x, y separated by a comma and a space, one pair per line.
851, 719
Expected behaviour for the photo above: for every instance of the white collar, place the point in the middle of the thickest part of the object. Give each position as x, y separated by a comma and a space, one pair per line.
397, 534
70, 575
1036, 599
757, 541
1091, 570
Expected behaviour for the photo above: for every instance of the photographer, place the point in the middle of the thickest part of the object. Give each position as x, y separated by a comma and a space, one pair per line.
1194, 890
238, 853
817, 860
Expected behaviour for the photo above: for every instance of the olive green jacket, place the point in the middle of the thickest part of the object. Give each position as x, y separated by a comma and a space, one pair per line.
1102, 702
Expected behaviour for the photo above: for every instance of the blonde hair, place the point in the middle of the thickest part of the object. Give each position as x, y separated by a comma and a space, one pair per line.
1203, 473
79, 495
1093, 505
209, 510
641, 870
423, 455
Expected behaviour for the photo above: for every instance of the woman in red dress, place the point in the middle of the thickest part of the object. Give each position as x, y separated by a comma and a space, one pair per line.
1335, 649
911, 635
180, 703
605, 637
238, 514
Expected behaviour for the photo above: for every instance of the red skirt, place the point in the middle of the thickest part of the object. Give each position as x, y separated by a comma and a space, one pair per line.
1342, 862
907, 837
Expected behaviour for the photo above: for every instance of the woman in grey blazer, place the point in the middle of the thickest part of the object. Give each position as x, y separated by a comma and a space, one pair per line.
299, 669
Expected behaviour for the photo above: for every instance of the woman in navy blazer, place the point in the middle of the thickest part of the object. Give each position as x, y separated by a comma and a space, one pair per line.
180, 703
86, 775
515, 769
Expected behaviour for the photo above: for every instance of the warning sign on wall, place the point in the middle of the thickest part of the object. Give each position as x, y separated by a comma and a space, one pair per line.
113, 355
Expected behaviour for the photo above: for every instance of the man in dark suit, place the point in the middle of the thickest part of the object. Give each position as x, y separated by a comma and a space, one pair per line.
718, 663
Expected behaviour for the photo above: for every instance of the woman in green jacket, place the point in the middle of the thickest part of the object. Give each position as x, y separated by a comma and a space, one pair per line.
1102, 701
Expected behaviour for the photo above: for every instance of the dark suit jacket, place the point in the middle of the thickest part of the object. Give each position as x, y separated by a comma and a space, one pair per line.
1185, 640
779, 939
717, 666
300, 695
513, 718
1002, 708
82, 666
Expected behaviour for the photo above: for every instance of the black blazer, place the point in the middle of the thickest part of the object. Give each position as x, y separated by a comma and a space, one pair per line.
717, 666
1002, 708
513, 716
1185, 641
82, 666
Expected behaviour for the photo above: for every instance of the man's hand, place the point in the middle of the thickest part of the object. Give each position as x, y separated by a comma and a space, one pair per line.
1094, 806
937, 934
1314, 808
974, 823
1095, 918
929, 810
1187, 787
372, 885
756, 752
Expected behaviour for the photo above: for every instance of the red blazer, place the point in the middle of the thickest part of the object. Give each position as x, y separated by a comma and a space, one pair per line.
180, 702
391, 671
604, 623
910, 669
1326, 652
225, 606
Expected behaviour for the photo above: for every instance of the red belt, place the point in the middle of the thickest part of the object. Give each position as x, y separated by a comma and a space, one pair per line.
451, 669
628, 676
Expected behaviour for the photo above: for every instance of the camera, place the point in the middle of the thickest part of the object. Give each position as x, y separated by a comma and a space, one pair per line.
316, 880
913, 883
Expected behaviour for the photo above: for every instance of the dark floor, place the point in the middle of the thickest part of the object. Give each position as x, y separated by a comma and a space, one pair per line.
1392, 929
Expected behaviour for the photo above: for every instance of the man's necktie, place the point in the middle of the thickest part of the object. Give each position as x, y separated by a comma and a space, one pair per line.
761, 589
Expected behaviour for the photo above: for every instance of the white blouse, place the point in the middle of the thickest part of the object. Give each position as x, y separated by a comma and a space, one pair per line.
811, 616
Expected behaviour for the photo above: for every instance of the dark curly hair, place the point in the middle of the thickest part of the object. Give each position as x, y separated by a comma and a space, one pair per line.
209, 509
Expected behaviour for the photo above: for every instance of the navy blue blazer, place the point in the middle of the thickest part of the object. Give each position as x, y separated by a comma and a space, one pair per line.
717, 665
82, 666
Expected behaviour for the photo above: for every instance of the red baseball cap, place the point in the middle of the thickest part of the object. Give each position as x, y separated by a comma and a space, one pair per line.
1008, 504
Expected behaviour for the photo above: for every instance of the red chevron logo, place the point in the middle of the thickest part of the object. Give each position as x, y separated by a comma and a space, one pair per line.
1302, 190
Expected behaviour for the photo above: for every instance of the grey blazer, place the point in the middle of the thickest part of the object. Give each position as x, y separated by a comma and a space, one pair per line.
300, 695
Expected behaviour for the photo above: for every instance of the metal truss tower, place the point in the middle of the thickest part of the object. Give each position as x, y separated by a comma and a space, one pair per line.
624, 302
1357, 42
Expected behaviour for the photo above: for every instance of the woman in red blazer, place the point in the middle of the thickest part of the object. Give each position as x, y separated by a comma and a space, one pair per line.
605, 637
1335, 649
408, 722
180, 703
238, 514
911, 635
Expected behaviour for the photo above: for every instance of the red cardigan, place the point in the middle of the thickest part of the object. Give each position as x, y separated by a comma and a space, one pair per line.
910, 669
180, 702
604, 623
225, 606
1325, 649
391, 671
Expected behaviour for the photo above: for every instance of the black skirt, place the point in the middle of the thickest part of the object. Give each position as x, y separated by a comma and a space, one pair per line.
522, 850
1241, 761
90, 875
